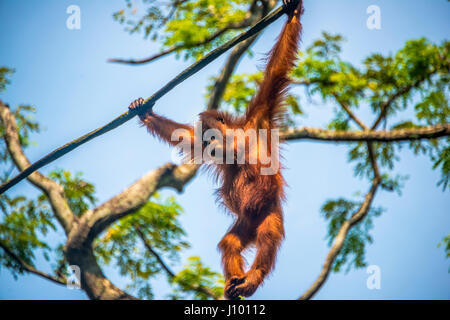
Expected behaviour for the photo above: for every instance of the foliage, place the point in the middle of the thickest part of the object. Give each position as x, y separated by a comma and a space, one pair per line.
79, 193
189, 25
25, 125
195, 275
415, 77
4, 81
352, 253
27, 222
24, 223
446, 244
158, 222
240, 90
406, 89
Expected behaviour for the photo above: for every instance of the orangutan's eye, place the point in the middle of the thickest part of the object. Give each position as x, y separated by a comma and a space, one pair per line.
221, 120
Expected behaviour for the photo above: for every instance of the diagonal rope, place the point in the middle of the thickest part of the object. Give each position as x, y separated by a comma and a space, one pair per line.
188, 72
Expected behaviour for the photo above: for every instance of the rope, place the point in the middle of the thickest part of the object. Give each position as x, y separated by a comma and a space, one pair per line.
124, 117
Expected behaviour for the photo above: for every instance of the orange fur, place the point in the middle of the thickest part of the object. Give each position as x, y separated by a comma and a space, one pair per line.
255, 199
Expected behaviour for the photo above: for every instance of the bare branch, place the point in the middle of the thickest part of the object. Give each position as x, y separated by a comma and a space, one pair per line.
146, 60
373, 161
25, 266
430, 132
303, 82
52, 190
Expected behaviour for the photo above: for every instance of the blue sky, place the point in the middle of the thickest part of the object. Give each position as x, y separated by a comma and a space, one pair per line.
64, 74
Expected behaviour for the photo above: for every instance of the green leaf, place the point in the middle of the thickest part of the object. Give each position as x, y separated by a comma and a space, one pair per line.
122, 246
4, 74
79, 193
195, 275
25, 222
185, 24
352, 254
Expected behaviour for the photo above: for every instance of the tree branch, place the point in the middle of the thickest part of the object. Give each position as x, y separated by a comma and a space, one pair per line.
235, 56
252, 16
169, 272
385, 107
170, 50
53, 191
93, 282
147, 245
346, 108
172, 11
79, 245
137, 195
78, 249
145, 60
227, 71
30, 269
430, 132
149, 103
341, 236
343, 104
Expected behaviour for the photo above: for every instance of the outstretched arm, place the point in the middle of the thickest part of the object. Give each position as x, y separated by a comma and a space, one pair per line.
162, 127
267, 103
